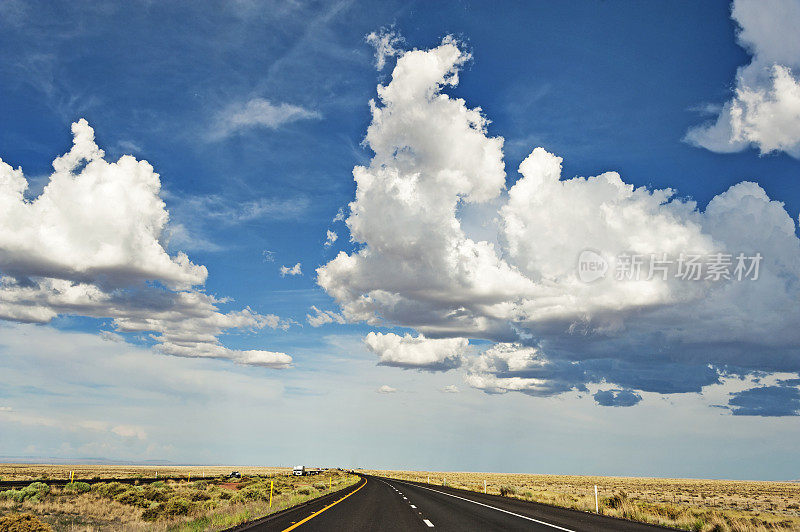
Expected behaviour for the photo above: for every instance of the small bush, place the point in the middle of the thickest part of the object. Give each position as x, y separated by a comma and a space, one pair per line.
33, 493
616, 501
200, 496
23, 523
177, 506
173, 507
320, 486
304, 491
109, 490
505, 491
254, 494
152, 513
37, 488
14, 495
78, 487
159, 484
154, 494
132, 497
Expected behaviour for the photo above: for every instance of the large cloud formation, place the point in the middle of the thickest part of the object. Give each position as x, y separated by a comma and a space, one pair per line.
447, 251
765, 109
91, 245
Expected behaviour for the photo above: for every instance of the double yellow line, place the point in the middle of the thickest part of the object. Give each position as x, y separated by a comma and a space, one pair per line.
312, 516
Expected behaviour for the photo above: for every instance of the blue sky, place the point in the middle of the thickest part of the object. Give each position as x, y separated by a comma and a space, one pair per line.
254, 116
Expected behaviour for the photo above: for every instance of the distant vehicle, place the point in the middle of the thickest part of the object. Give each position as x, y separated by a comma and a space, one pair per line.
235, 474
299, 471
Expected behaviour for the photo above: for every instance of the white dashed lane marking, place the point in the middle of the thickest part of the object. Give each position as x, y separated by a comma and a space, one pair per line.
426, 521
492, 507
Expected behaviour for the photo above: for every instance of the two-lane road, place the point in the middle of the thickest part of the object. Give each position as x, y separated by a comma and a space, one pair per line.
378, 503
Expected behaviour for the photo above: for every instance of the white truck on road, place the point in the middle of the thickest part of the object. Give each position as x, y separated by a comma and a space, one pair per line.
299, 470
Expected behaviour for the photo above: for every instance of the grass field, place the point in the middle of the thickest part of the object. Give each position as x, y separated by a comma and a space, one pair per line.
689, 504
213, 503
38, 472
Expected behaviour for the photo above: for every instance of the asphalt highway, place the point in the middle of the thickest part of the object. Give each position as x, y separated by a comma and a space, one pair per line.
384, 504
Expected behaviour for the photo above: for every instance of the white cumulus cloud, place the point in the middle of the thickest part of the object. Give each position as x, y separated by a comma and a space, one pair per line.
386, 389
91, 244
291, 270
330, 238
765, 109
417, 352
447, 250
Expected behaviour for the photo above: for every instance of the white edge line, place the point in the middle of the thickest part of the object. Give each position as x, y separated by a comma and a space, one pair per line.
428, 523
492, 507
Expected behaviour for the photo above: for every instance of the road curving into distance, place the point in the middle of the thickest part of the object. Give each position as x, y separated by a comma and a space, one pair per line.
378, 503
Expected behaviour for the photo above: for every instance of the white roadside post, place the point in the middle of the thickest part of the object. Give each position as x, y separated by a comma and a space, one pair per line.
596, 503
484, 486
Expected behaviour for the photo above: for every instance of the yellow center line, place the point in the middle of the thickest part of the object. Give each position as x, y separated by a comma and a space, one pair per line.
312, 516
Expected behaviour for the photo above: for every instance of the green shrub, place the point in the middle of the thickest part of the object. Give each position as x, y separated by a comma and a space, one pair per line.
254, 494
153, 512
77, 487
225, 494
200, 496
33, 492
320, 486
132, 497
14, 495
159, 484
177, 506
152, 493
37, 488
109, 490
173, 507
304, 491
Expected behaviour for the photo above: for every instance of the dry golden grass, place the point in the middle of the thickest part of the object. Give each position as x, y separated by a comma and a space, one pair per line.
47, 471
210, 504
689, 504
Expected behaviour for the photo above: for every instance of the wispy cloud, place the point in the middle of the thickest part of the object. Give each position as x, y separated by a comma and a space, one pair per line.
257, 113
193, 218
34, 420
322, 317
387, 43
